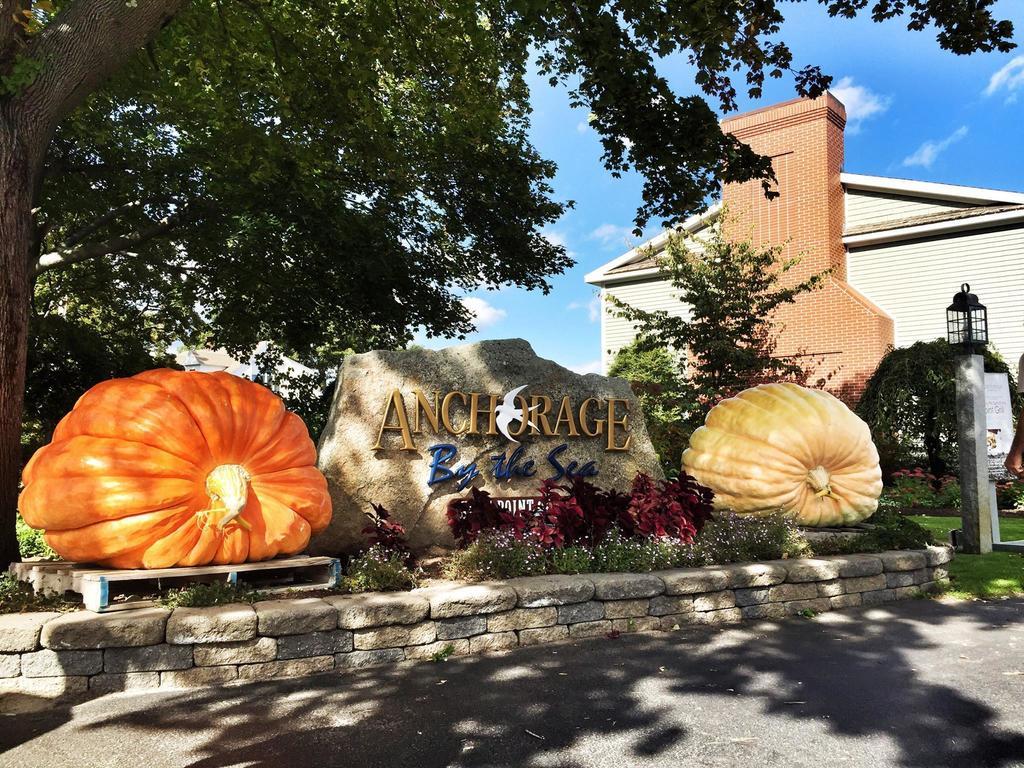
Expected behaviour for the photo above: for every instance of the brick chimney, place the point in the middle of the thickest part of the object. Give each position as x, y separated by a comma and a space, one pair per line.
838, 330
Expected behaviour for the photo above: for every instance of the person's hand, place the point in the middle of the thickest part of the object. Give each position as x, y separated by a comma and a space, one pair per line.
1015, 465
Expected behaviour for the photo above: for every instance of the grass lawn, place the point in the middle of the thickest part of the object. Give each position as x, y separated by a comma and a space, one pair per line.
999, 574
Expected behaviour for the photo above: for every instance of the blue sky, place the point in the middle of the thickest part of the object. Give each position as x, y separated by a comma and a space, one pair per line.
914, 111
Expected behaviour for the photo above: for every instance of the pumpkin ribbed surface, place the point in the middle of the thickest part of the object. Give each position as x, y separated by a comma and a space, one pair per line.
785, 447
176, 468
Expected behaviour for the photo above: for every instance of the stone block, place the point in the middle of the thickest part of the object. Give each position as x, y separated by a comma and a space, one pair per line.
466, 626
747, 575
19, 632
626, 586
783, 593
571, 614
587, 629
909, 560
855, 566
47, 663
469, 599
831, 588
666, 605
816, 605
295, 616
764, 611
10, 665
286, 668
940, 574
724, 616
315, 644
545, 591
358, 659
810, 569
198, 677
493, 641
690, 581
378, 609
851, 600
150, 658
35, 694
397, 636
242, 652
129, 681
714, 601
214, 624
864, 583
118, 629
431, 650
922, 575
877, 596
930, 587
752, 596
522, 618
625, 609
543, 635
637, 624
938, 554
900, 579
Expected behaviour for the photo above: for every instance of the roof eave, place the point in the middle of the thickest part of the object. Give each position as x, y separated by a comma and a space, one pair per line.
929, 189
935, 228
600, 275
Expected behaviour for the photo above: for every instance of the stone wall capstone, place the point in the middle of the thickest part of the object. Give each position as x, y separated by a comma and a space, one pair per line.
402, 421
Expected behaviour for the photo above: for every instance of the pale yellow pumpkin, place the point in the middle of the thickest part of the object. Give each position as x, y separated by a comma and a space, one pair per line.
786, 447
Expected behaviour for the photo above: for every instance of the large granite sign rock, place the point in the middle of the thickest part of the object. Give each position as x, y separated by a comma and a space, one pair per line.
413, 429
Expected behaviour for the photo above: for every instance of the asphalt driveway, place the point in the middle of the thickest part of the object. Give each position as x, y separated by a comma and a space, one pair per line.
917, 683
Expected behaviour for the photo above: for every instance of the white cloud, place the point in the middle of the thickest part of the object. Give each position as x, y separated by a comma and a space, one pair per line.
484, 314
860, 102
593, 366
1010, 77
612, 234
582, 126
926, 154
593, 308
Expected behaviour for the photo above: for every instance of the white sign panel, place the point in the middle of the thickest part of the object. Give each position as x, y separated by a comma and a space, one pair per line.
998, 416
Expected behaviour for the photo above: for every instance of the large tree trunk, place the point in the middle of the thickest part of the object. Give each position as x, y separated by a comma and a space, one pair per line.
16, 233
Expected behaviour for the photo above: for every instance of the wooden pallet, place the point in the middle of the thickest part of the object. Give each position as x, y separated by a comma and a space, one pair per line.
107, 589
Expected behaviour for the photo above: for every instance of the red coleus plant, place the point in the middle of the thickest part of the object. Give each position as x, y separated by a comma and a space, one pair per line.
382, 531
582, 513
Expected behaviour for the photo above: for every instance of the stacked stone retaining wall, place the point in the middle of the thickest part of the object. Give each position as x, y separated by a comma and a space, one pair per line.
46, 656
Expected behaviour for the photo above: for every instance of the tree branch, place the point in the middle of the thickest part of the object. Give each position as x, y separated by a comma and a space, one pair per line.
80, 48
80, 234
64, 257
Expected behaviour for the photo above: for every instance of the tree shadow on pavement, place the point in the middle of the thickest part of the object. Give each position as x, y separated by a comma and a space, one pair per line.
895, 675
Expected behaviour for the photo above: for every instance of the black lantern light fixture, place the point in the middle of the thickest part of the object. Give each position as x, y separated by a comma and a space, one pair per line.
966, 320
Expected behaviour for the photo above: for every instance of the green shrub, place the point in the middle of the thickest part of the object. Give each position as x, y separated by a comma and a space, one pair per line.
378, 570
732, 538
17, 597
31, 543
620, 554
497, 555
202, 595
1010, 494
571, 560
890, 530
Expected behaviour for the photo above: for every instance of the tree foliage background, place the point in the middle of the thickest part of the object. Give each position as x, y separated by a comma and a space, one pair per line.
910, 405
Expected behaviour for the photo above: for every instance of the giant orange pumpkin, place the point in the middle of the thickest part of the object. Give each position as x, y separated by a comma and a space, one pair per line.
176, 468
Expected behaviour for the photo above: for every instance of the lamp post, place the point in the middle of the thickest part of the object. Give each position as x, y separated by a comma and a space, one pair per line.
967, 332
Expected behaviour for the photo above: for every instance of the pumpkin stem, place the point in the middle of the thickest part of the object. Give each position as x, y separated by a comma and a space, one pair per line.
228, 484
818, 479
